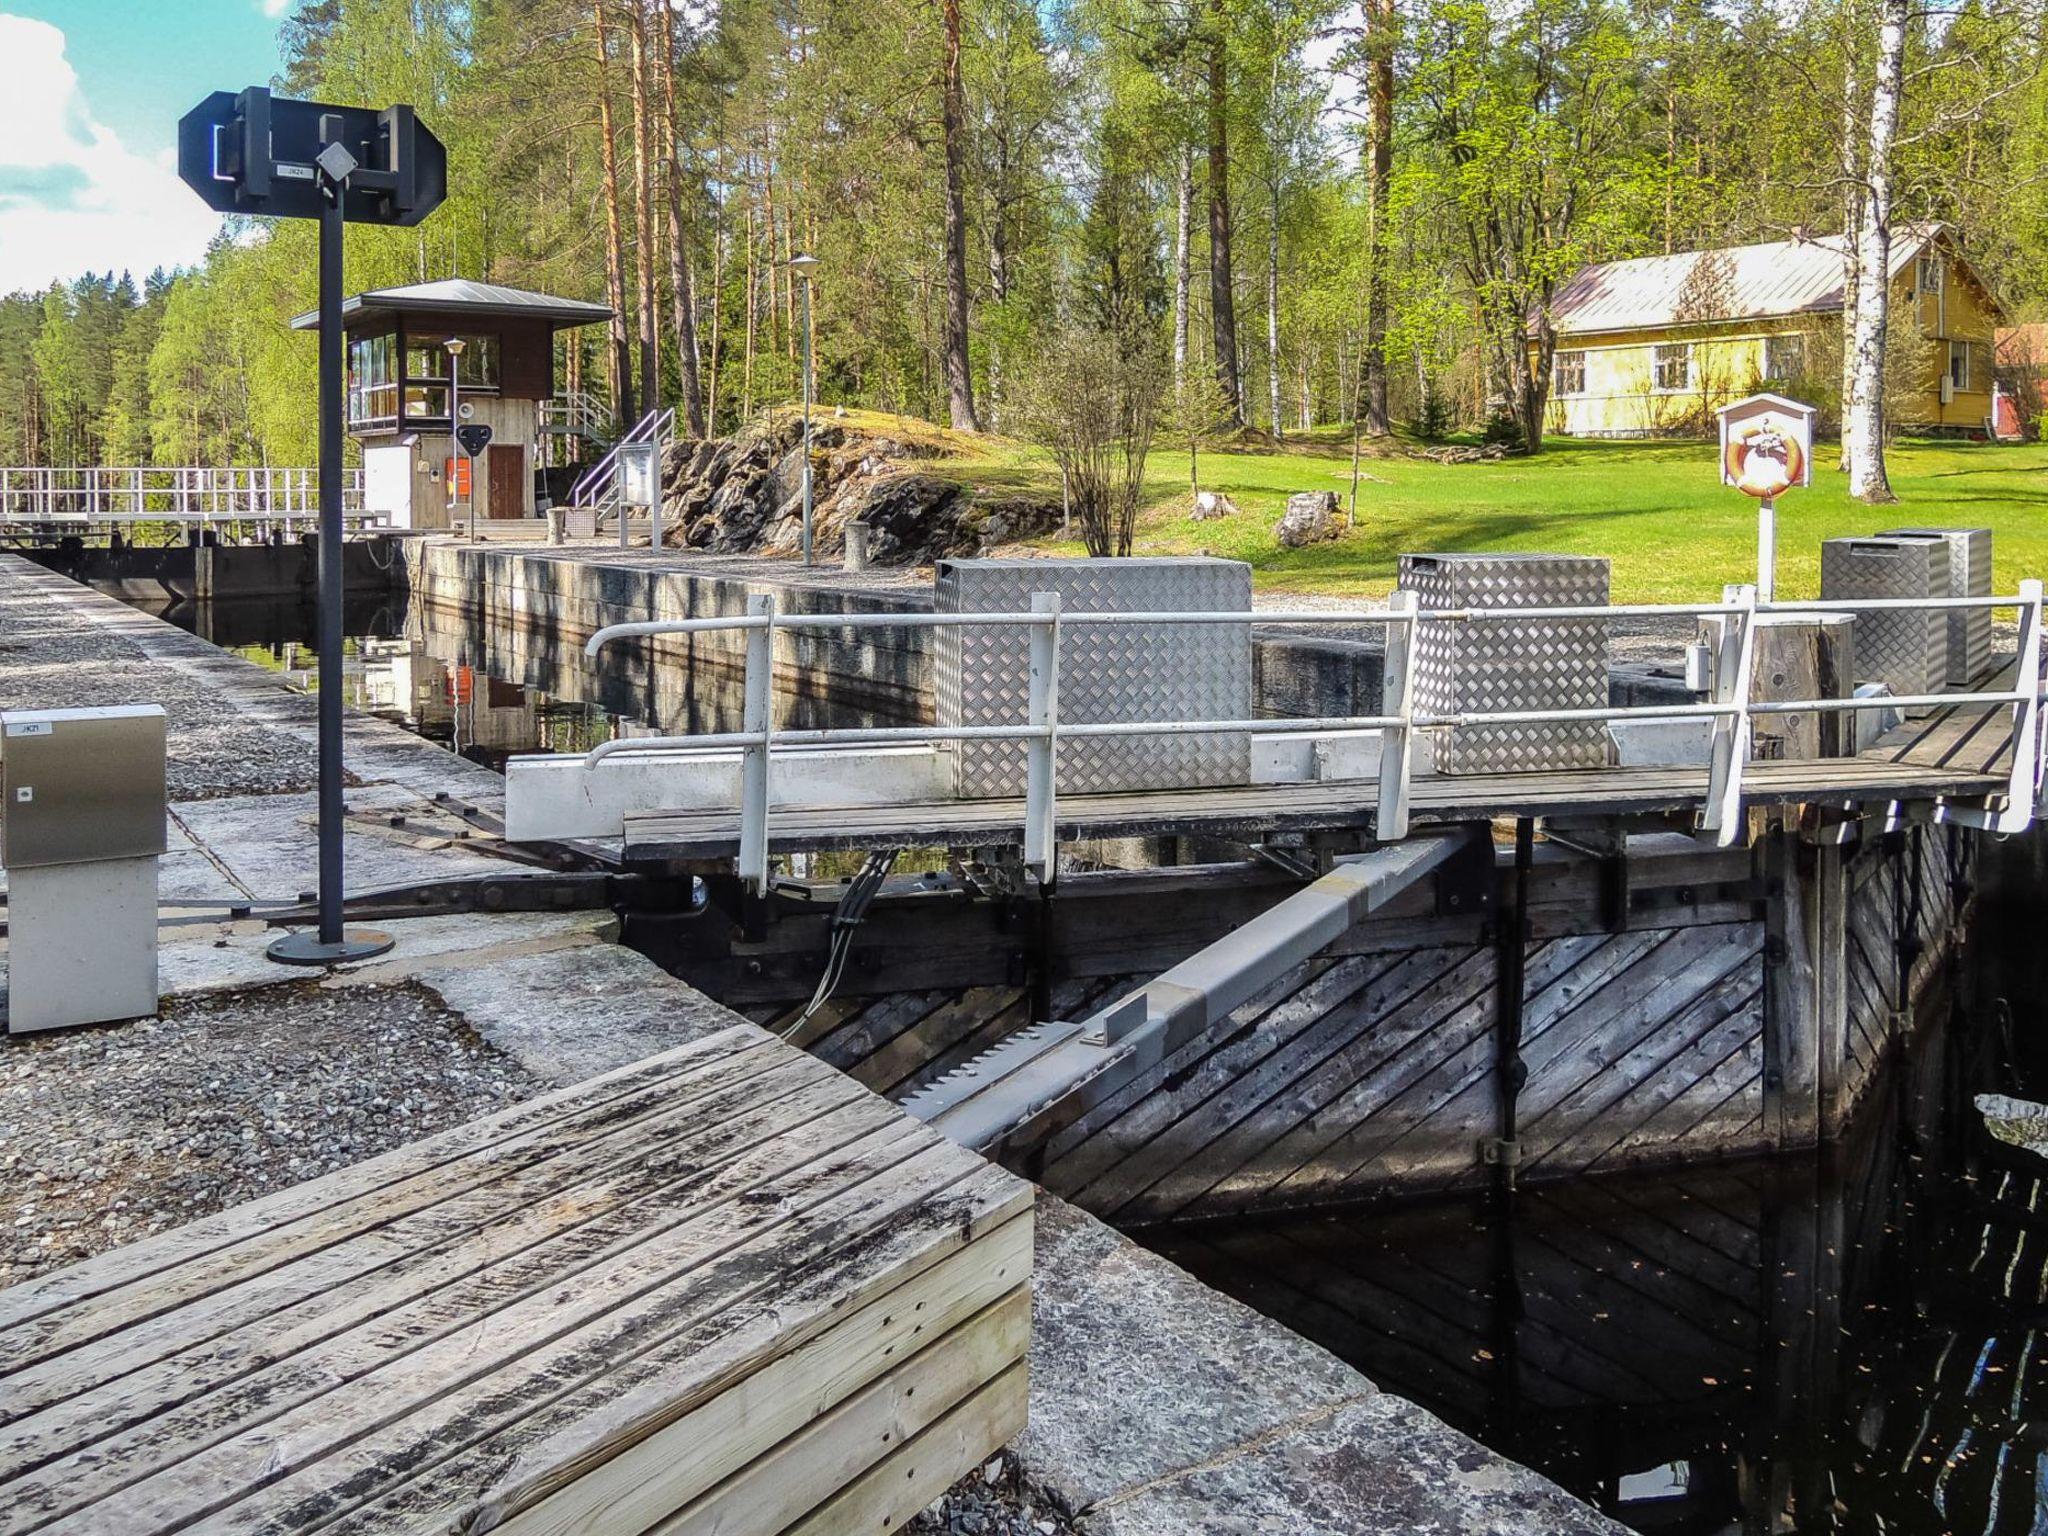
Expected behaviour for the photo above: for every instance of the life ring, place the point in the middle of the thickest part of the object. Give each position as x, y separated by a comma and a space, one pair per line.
1763, 459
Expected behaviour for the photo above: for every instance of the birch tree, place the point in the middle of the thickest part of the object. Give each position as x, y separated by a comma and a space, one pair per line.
1863, 411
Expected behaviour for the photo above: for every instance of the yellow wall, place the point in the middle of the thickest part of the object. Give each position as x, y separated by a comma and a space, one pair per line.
1621, 397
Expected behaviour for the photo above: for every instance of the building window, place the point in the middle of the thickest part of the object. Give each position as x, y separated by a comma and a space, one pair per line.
426, 372
1570, 373
372, 381
1671, 366
1785, 358
426, 357
1928, 274
1959, 364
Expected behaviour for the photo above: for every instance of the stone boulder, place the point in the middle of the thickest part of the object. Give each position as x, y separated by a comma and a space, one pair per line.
1312, 517
1210, 506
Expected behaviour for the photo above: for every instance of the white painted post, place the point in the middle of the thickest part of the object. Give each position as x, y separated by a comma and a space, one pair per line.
1397, 697
1041, 844
1721, 813
1767, 550
757, 716
2024, 799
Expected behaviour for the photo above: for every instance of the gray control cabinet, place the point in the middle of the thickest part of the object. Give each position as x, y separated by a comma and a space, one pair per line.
1969, 575
1905, 649
1121, 673
82, 828
1515, 664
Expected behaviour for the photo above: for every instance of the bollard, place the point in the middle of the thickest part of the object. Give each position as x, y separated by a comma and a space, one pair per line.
857, 546
558, 525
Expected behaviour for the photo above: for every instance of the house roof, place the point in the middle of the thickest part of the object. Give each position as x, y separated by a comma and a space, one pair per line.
1741, 282
460, 295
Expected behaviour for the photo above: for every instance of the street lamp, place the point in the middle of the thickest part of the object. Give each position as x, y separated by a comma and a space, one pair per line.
801, 266
455, 345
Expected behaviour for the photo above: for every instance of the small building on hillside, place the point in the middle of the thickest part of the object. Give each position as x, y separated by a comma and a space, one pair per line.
1653, 347
407, 390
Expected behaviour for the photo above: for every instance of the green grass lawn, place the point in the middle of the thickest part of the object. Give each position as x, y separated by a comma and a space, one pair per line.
1657, 510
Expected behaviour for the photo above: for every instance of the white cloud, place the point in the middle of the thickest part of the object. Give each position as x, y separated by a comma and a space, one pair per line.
73, 198
273, 8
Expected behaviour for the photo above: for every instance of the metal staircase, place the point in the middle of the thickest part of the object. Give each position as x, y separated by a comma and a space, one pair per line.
602, 487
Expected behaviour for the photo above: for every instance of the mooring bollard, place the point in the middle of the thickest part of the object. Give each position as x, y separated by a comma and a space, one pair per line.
558, 525
857, 546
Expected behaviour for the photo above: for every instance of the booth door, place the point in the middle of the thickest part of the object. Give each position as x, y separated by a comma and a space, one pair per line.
508, 480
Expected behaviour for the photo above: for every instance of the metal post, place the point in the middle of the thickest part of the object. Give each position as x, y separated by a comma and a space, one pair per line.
330, 943
807, 418
1041, 760
654, 494
1397, 697
1767, 550
1721, 812
757, 718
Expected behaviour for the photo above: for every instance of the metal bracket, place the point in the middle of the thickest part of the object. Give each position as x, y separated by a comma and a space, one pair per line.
1497, 1153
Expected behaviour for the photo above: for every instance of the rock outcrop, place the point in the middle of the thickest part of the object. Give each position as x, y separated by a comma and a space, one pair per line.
744, 494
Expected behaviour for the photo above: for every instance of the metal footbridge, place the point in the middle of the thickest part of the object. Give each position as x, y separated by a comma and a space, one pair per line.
1970, 758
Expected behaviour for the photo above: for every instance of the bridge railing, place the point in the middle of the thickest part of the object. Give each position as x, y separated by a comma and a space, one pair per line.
1730, 708
90, 493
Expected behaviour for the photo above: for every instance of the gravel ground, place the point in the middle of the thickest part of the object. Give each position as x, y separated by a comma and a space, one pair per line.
112, 1134
54, 657
989, 1502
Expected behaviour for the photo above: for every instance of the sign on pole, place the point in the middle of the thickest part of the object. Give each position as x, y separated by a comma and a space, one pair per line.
1766, 450
251, 153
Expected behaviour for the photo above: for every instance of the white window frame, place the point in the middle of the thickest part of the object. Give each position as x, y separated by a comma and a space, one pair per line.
1793, 339
1959, 350
1578, 355
1657, 367
1930, 273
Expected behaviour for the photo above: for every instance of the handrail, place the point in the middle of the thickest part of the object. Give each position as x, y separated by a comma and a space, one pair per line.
173, 492
652, 426
1730, 711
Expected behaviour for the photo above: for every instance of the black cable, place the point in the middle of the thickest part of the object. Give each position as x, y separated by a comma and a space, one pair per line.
854, 902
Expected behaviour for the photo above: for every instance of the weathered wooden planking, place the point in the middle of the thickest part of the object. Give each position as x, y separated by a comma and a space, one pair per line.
514, 1334
247, 1234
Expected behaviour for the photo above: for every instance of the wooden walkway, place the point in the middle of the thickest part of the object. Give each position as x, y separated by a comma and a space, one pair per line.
724, 1289
657, 837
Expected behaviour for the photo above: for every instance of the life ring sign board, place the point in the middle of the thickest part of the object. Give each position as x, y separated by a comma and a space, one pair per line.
1766, 445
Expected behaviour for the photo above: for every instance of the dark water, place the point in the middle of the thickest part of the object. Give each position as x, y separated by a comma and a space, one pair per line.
484, 691
1850, 1342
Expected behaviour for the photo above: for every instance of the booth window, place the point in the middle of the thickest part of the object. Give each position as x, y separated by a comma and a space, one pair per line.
426, 371
372, 381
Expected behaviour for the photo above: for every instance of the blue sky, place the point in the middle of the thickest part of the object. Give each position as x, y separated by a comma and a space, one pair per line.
88, 126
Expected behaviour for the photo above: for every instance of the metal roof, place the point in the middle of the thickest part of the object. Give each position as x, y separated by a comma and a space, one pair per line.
461, 295
1742, 282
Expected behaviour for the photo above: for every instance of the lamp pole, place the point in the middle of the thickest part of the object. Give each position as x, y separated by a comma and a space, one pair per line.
454, 345
801, 266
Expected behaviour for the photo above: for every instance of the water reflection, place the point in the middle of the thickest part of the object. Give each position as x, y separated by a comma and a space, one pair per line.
1837, 1343
488, 691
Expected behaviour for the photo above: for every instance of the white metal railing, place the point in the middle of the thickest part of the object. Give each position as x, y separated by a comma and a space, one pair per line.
132, 493
576, 411
602, 487
1729, 707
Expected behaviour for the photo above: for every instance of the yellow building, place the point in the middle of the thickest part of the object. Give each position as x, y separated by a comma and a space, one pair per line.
1653, 347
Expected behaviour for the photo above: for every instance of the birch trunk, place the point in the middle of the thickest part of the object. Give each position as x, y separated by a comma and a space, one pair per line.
682, 284
959, 365
644, 255
1864, 417
1854, 194
1183, 265
614, 230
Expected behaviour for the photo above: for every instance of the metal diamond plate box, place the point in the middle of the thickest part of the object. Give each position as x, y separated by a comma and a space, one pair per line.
1111, 673
1519, 664
1969, 575
1906, 651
